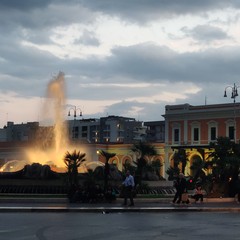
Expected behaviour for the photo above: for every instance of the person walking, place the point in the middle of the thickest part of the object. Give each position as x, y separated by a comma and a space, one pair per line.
128, 185
181, 187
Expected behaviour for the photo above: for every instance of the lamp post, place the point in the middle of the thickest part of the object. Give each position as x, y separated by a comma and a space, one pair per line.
234, 94
75, 110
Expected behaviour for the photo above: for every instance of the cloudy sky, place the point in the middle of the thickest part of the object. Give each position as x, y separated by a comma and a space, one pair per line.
127, 58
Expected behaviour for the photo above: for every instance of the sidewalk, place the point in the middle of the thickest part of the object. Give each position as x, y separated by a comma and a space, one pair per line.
141, 205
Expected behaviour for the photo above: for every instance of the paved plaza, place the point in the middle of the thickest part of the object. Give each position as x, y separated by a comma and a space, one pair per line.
47, 219
119, 226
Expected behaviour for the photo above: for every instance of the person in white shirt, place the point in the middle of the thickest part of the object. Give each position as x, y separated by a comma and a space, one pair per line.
128, 185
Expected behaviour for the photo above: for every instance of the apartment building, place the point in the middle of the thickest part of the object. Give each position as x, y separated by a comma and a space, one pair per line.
19, 132
117, 129
155, 132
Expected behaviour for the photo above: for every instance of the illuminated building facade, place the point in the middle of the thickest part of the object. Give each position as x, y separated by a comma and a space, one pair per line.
193, 128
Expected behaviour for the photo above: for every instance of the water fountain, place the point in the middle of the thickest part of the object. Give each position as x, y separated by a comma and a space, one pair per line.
52, 141
52, 138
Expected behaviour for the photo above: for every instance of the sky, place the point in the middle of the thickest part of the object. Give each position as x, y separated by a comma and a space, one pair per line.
126, 58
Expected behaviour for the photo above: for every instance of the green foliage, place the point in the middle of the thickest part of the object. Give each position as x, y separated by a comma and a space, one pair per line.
73, 161
198, 165
225, 159
142, 150
172, 172
225, 163
180, 156
128, 166
107, 156
154, 166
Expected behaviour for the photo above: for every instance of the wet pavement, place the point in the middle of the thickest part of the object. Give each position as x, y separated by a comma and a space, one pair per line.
45, 219
141, 205
120, 225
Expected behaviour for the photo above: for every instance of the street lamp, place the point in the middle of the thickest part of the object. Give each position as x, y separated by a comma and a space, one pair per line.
234, 94
75, 110
234, 91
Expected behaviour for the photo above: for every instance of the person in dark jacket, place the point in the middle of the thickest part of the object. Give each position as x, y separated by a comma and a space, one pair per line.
181, 186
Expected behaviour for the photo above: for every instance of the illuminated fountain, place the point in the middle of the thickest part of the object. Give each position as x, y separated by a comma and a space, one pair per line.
52, 141
52, 138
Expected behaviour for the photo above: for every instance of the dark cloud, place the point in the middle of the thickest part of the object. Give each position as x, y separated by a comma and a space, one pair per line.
24, 5
139, 63
152, 63
147, 10
49, 13
26, 70
206, 33
37, 16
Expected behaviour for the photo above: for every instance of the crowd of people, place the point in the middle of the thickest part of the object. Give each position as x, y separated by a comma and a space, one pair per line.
181, 194
95, 194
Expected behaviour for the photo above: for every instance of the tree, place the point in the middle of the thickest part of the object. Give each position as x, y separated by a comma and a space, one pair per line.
225, 161
180, 156
172, 172
107, 156
199, 165
73, 161
143, 150
156, 166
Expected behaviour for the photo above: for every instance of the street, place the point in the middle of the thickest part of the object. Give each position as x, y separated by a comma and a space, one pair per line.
93, 226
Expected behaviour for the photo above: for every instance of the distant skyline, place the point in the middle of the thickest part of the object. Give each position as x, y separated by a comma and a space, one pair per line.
128, 58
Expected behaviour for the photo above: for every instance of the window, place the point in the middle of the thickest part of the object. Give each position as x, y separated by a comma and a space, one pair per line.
84, 131
195, 134
75, 132
176, 135
231, 132
213, 133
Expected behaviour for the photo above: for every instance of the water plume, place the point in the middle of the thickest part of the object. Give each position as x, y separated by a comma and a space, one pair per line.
52, 140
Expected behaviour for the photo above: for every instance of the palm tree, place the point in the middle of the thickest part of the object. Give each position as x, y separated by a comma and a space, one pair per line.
143, 150
73, 161
107, 156
180, 156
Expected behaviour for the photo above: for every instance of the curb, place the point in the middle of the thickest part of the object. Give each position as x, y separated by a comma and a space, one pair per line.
106, 210
140, 200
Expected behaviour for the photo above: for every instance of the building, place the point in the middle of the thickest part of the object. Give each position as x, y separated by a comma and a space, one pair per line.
19, 132
193, 128
117, 129
155, 132
85, 130
111, 129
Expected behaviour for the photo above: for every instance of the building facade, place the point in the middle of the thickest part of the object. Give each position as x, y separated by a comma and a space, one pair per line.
19, 132
111, 129
117, 129
193, 128
155, 132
